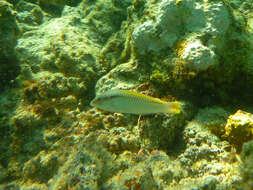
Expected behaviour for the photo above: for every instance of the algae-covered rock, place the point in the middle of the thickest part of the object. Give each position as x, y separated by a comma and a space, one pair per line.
160, 132
214, 119
8, 101
45, 86
124, 76
59, 2
29, 15
247, 165
51, 139
151, 173
41, 168
9, 33
56, 50
3, 173
9, 30
70, 44
239, 128
87, 167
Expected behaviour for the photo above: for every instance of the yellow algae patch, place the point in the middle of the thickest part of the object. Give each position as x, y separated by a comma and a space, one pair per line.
239, 128
180, 46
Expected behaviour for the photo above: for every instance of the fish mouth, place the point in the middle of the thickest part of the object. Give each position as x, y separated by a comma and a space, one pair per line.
92, 103
95, 102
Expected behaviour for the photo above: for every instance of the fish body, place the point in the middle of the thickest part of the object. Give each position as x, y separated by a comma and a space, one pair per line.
125, 101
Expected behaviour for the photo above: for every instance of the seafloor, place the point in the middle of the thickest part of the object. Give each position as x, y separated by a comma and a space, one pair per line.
55, 55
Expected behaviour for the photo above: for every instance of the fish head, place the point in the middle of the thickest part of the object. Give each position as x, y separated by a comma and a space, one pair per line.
105, 102
96, 102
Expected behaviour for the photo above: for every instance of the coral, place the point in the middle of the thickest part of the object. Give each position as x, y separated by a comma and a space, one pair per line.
135, 178
250, 24
11, 186
159, 34
204, 34
116, 137
198, 56
239, 128
208, 158
27, 133
42, 118
150, 173
190, 61
46, 85
173, 18
122, 139
144, 38
55, 48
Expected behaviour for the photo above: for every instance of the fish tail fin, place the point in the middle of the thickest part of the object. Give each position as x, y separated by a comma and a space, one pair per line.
173, 107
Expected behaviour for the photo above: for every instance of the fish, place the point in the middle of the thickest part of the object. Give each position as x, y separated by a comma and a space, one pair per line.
126, 101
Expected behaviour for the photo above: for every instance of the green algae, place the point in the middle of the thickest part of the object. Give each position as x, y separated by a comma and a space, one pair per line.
246, 166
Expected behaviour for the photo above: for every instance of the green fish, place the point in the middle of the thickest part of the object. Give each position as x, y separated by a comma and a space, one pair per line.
125, 101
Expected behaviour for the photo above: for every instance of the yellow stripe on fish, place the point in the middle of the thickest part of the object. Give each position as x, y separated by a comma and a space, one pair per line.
125, 101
